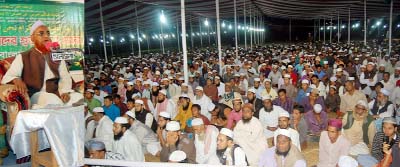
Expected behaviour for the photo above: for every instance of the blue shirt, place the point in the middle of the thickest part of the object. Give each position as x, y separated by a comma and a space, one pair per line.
106, 89
112, 112
320, 75
302, 94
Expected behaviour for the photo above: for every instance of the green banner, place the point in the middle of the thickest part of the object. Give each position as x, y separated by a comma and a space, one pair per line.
65, 20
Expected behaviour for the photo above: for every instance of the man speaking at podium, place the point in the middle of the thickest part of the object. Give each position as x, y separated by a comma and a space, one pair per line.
33, 71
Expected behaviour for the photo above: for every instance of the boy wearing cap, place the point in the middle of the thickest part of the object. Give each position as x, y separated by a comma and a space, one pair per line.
228, 152
97, 150
332, 144
291, 90
175, 140
125, 142
91, 102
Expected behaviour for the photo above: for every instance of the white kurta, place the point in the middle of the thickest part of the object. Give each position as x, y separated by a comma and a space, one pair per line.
104, 131
270, 119
251, 138
209, 157
329, 153
206, 105
41, 98
145, 136
171, 109
294, 136
221, 89
129, 146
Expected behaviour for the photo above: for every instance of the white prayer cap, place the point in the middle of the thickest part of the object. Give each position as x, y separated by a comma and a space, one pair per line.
227, 132
286, 76
36, 25
164, 79
158, 73
362, 66
121, 120
136, 95
357, 58
164, 92
385, 92
146, 82
351, 79
199, 88
257, 80
347, 161
217, 77
326, 62
236, 75
317, 108
290, 66
184, 84
173, 126
95, 145
98, 109
390, 120
267, 80
284, 132
130, 83
165, 114
333, 79
266, 97
252, 90
90, 90
362, 103
284, 114
139, 101
381, 65
181, 79
155, 84
305, 81
184, 95
283, 68
177, 156
131, 114
197, 121
370, 63
339, 70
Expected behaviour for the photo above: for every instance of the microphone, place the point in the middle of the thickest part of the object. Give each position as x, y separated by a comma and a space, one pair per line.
66, 54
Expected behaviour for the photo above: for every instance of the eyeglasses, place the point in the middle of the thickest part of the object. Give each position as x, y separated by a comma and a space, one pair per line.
42, 33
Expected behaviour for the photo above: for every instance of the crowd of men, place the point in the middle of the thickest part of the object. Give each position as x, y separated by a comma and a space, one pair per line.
260, 108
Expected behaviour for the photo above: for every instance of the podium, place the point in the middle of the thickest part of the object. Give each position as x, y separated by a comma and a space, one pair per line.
45, 158
61, 129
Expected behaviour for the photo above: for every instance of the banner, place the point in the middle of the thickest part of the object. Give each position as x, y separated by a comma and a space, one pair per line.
65, 20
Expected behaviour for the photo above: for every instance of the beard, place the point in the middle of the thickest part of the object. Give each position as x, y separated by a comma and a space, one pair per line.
166, 86
246, 120
267, 109
284, 154
185, 107
41, 47
201, 136
251, 100
160, 101
118, 136
155, 93
382, 102
218, 84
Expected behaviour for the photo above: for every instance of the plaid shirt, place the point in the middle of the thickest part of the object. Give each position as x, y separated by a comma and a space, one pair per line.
114, 156
287, 105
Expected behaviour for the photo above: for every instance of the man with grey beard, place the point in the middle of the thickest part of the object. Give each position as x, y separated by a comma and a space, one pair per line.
381, 107
206, 142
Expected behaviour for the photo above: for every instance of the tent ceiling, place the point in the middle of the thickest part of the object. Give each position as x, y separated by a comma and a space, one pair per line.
119, 15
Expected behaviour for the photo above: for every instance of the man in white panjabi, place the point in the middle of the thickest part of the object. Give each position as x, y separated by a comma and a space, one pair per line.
101, 128
249, 134
46, 82
204, 101
283, 123
125, 142
205, 142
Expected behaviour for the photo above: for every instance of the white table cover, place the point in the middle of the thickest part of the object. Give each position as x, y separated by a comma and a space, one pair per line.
61, 128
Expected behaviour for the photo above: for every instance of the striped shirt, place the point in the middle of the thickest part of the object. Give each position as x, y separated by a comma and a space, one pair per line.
377, 150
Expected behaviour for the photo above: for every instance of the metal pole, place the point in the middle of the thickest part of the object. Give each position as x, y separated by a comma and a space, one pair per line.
137, 32
162, 34
319, 29
338, 26
104, 33
236, 42
365, 22
148, 45
290, 30
177, 32
201, 34
219, 37
208, 34
324, 30
251, 32
191, 31
184, 49
348, 29
390, 27
330, 32
112, 52
245, 25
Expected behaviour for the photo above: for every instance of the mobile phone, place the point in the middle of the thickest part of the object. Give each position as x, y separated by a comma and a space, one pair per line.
386, 140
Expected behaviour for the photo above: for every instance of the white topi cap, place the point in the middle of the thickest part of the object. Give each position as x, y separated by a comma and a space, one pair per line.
173, 126
98, 109
227, 132
317, 108
165, 114
36, 25
177, 156
131, 114
121, 120
197, 121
